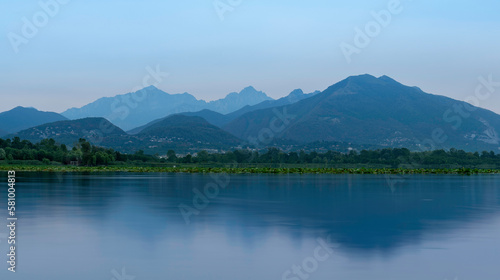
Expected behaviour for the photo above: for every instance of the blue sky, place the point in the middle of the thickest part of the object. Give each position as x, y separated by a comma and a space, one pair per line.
90, 49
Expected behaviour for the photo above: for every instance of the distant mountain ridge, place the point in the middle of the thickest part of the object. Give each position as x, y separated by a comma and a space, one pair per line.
295, 96
21, 118
131, 110
247, 97
220, 120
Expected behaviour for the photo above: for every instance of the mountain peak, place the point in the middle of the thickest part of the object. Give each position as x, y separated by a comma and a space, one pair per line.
353, 83
296, 92
367, 78
362, 78
385, 77
151, 87
21, 108
235, 101
251, 91
248, 88
388, 79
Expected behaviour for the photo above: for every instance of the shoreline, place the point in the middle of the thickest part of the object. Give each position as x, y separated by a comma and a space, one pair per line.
249, 170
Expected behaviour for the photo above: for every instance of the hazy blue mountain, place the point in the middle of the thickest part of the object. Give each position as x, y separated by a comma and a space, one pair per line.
132, 110
294, 96
377, 111
99, 131
221, 120
21, 118
234, 101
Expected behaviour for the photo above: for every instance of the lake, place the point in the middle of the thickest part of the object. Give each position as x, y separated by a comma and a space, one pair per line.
129, 226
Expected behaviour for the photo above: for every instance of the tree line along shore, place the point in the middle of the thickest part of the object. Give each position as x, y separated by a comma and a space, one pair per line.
47, 155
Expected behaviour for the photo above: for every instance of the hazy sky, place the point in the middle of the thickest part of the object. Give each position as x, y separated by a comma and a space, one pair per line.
84, 50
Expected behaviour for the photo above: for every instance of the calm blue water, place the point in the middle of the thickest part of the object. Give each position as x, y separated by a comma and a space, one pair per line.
129, 226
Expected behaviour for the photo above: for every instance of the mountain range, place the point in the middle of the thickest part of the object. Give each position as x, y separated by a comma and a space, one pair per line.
360, 111
131, 110
220, 120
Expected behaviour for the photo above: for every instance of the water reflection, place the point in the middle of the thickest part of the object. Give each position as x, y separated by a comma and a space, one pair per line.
106, 221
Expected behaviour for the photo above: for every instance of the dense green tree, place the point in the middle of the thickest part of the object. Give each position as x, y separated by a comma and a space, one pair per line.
87, 156
202, 157
171, 156
188, 158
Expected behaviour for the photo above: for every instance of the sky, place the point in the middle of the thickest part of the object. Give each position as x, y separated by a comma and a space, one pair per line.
58, 54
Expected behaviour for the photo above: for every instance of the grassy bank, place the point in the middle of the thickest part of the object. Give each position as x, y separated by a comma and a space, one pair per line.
248, 170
